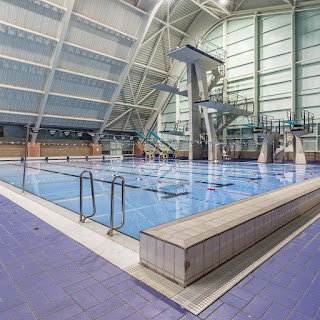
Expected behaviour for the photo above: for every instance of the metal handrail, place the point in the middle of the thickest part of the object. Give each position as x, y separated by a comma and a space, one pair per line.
110, 232
92, 196
25, 158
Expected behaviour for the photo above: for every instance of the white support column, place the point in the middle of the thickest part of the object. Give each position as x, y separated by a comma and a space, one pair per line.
178, 97
225, 79
63, 28
195, 150
293, 63
213, 148
256, 88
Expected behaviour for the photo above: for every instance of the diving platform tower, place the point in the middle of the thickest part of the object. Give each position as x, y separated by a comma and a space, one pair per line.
202, 59
271, 130
300, 126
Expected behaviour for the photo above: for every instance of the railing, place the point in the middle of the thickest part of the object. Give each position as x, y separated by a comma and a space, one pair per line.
25, 158
308, 120
112, 228
92, 196
208, 47
231, 99
175, 126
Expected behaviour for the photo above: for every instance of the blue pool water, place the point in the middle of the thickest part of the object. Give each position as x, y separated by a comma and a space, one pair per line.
156, 193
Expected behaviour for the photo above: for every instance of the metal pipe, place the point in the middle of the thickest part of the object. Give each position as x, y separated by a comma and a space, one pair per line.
25, 158
92, 196
110, 232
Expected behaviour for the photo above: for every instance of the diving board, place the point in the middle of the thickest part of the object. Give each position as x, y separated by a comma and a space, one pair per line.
158, 138
146, 139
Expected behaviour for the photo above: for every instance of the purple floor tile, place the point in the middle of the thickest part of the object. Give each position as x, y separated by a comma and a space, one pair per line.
255, 285
284, 296
257, 307
170, 314
116, 280
36, 298
54, 292
85, 299
32, 268
80, 285
244, 316
308, 305
298, 316
100, 292
137, 316
262, 275
58, 274
123, 286
189, 316
210, 309
154, 309
276, 311
233, 301
81, 316
133, 299
8, 292
99, 275
146, 292
53, 307
241, 293
224, 312
65, 313
104, 307
120, 313
27, 316
300, 284
15, 312
283, 279
10, 303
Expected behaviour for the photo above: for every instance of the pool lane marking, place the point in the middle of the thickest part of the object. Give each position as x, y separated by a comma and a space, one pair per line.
167, 193
109, 182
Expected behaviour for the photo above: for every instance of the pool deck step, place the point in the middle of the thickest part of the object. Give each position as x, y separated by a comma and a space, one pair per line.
187, 249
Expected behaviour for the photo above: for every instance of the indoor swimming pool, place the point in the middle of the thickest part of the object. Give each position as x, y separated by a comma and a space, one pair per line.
155, 192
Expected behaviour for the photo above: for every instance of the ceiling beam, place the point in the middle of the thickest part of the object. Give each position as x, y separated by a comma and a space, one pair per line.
54, 63
145, 73
136, 106
127, 120
119, 117
204, 8
171, 26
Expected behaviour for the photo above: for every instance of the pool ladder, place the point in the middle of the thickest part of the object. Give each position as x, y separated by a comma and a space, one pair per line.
82, 218
110, 232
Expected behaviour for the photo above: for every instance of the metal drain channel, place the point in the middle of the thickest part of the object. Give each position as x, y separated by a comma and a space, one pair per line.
202, 293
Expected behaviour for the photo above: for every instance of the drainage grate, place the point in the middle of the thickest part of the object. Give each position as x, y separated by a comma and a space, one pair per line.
202, 293
154, 280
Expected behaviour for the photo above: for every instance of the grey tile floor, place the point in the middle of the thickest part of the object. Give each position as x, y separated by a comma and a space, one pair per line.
46, 275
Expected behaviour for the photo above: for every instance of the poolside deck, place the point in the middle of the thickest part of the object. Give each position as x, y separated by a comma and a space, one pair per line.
46, 275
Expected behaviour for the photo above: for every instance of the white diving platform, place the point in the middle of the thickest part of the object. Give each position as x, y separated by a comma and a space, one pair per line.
171, 89
190, 55
237, 109
176, 133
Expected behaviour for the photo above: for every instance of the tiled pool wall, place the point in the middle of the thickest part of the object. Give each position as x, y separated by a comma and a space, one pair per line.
185, 261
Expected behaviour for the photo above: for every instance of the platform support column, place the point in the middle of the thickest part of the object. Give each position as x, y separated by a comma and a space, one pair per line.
195, 149
298, 151
214, 152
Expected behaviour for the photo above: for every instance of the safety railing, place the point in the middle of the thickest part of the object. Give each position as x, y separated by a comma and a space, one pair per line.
210, 48
232, 99
112, 228
25, 158
83, 218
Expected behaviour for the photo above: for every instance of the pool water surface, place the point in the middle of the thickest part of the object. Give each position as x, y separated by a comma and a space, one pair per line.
155, 192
